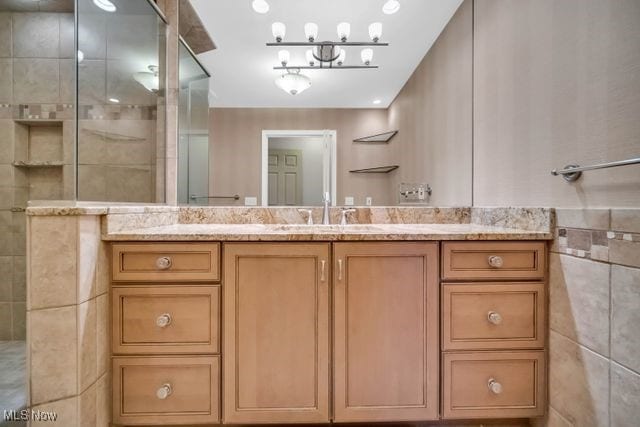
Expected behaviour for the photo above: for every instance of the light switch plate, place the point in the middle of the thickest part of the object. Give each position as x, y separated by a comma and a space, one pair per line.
348, 201
368, 201
250, 201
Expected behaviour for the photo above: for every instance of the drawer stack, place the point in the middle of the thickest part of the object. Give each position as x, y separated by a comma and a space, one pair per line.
493, 329
166, 333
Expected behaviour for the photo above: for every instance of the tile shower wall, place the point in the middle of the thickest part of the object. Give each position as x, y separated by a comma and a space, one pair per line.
36, 85
594, 298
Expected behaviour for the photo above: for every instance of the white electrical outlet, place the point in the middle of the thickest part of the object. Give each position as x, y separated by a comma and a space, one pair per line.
348, 201
368, 201
251, 201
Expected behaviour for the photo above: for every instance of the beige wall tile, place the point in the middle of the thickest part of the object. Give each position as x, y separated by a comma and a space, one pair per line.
92, 35
19, 291
6, 141
19, 321
579, 300
88, 245
36, 35
627, 220
103, 269
92, 182
45, 184
53, 354
624, 252
52, 280
625, 397
6, 79
19, 243
6, 44
92, 82
87, 406
68, 141
103, 342
6, 278
6, 241
36, 81
66, 410
6, 197
5, 321
597, 219
67, 81
129, 184
103, 401
45, 143
578, 382
87, 344
625, 316
67, 31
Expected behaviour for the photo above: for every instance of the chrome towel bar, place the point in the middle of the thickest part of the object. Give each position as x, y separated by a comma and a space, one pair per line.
572, 172
234, 197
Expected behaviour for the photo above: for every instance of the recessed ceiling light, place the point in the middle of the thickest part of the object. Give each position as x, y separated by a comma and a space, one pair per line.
260, 6
377, 101
105, 5
391, 7
114, 100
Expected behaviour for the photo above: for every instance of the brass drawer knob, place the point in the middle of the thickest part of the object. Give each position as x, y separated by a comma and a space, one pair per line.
494, 386
495, 261
163, 320
494, 317
163, 263
164, 391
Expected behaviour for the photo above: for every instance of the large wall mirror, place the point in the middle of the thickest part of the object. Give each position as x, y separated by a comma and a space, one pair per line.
289, 123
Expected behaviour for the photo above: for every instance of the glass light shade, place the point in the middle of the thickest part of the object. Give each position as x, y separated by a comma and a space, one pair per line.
311, 31
310, 59
260, 6
341, 57
391, 7
283, 57
148, 79
293, 83
105, 5
366, 55
375, 31
279, 30
344, 31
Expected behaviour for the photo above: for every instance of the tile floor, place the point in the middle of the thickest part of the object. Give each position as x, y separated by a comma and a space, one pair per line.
13, 387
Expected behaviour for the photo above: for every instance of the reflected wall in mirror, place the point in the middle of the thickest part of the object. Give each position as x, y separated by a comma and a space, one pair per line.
422, 87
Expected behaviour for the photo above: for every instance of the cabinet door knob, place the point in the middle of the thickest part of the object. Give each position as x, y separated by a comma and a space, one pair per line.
494, 317
164, 391
163, 263
495, 261
494, 386
163, 320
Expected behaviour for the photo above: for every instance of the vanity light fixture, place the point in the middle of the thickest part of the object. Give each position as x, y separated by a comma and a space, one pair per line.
278, 29
391, 7
105, 5
260, 6
283, 57
293, 82
311, 31
344, 31
366, 55
148, 79
375, 31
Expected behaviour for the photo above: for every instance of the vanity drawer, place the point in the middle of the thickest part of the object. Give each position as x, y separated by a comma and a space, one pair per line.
166, 262
166, 319
166, 390
493, 260
493, 385
493, 316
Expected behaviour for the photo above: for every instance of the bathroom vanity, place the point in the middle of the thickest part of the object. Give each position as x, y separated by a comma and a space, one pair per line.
283, 323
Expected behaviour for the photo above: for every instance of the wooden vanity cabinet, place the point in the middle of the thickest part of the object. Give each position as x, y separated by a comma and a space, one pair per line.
276, 333
385, 337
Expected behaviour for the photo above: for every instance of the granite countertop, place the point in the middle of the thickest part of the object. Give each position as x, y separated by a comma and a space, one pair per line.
295, 232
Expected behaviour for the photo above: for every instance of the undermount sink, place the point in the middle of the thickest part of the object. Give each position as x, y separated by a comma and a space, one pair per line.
322, 228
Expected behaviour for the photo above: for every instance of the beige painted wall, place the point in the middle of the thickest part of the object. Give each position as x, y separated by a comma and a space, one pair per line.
236, 144
556, 82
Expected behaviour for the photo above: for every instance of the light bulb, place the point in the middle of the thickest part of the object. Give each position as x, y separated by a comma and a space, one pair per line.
279, 30
310, 59
80, 55
105, 5
311, 31
260, 6
366, 55
391, 7
344, 30
284, 57
375, 31
342, 56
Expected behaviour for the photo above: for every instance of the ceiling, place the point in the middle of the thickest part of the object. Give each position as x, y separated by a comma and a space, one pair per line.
241, 66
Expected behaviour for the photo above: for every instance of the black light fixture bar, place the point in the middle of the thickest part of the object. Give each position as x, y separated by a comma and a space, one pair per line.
336, 67
327, 44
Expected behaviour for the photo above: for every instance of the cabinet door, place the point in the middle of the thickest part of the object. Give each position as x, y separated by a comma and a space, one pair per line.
385, 331
276, 333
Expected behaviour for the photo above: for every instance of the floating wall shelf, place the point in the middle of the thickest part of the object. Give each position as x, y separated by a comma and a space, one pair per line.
37, 164
381, 137
379, 169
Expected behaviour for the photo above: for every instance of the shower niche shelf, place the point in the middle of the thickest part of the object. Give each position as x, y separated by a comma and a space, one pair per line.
381, 138
378, 169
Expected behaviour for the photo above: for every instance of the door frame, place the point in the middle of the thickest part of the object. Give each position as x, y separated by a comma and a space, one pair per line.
331, 150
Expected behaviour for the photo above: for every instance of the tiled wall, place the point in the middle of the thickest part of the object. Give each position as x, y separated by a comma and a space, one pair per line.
594, 363
67, 317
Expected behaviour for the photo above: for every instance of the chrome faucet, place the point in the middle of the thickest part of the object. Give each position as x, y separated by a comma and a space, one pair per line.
325, 213
344, 212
